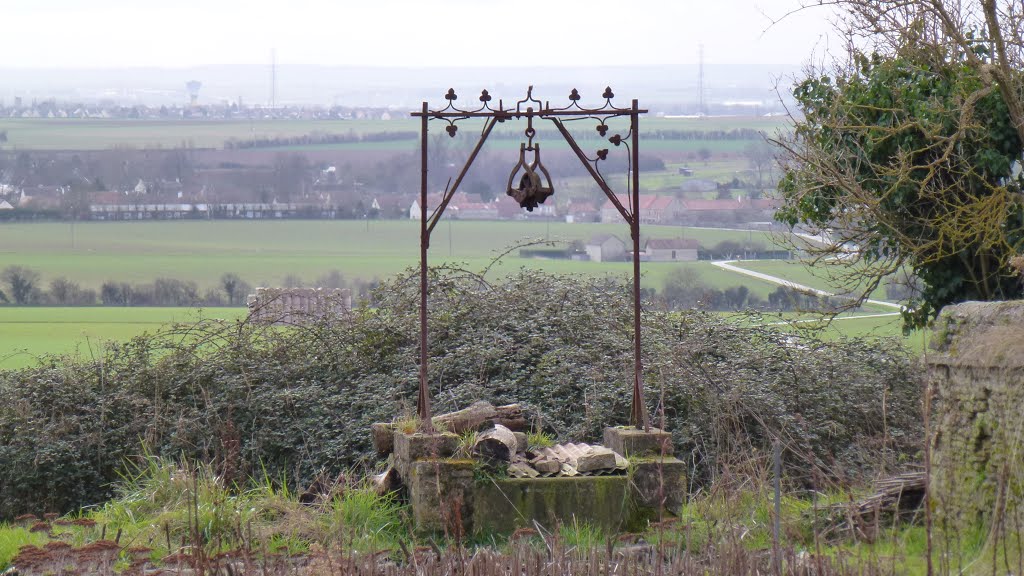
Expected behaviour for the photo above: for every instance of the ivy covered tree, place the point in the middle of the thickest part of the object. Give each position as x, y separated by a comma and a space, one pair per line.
908, 157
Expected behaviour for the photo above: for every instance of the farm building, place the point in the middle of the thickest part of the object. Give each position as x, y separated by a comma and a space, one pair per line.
605, 248
671, 249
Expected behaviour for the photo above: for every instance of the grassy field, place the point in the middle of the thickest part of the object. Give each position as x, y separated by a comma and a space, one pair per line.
264, 253
29, 332
868, 324
98, 134
822, 276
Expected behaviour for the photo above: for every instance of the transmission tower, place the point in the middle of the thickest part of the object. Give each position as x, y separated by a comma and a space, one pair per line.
701, 108
273, 78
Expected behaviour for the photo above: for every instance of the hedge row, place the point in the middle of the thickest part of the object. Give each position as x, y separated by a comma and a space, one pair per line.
295, 402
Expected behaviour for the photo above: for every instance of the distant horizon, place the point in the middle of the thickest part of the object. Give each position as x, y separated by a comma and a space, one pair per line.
267, 65
670, 87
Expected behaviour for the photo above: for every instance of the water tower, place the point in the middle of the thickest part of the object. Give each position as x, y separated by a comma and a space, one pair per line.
193, 87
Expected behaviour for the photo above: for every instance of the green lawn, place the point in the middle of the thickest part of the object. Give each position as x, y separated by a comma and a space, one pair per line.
29, 332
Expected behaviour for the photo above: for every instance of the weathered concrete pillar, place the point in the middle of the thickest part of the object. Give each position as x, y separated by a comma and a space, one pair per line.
976, 372
440, 487
441, 495
657, 478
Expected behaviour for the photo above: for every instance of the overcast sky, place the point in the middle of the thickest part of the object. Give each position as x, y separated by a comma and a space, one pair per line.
185, 33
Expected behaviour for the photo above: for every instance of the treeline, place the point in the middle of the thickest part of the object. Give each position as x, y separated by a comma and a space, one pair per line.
737, 298
317, 139
23, 286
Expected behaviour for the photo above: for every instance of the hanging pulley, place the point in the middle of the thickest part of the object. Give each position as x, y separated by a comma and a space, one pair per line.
534, 183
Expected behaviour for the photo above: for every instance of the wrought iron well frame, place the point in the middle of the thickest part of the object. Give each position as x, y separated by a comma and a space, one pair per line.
524, 109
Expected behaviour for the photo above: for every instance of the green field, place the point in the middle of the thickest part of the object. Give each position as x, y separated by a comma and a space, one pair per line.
825, 275
265, 252
99, 134
29, 332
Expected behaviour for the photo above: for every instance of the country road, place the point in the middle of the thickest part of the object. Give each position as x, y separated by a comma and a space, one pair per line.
728, 265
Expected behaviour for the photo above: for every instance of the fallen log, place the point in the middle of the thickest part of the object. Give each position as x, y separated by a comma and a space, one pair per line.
479, 414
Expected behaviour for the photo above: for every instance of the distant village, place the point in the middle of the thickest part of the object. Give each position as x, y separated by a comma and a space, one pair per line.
52, 108
139, 203
260, 180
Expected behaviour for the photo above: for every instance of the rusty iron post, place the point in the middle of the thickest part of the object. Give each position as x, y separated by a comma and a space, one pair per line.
423, 401
638, 416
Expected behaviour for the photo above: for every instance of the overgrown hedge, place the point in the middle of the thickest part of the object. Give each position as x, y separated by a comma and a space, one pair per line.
296, 401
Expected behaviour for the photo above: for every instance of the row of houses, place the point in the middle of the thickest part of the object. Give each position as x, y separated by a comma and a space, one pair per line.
244, 211
137, 203
654, 209
657, 209
463, 206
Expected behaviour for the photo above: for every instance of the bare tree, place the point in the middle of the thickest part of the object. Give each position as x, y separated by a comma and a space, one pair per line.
235, 288
22, 283
761, 159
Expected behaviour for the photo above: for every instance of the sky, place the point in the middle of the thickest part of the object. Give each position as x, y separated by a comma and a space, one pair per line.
401, 33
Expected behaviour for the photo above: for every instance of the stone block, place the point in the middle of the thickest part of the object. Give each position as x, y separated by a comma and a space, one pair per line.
547, 466
658, 483
595, 458
409, 448
634, 442
441, 496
